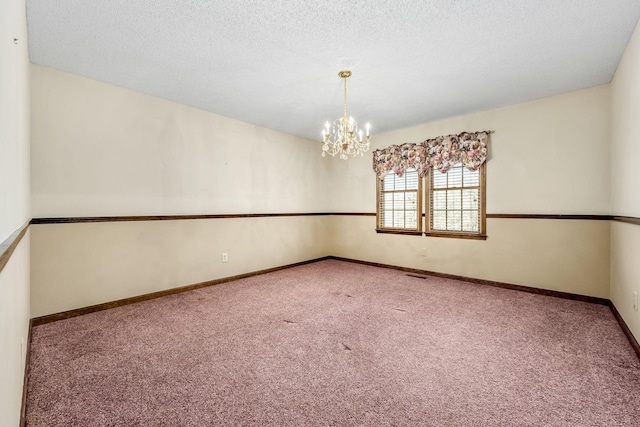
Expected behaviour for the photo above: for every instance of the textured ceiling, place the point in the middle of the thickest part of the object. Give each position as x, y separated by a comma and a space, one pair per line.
275, 64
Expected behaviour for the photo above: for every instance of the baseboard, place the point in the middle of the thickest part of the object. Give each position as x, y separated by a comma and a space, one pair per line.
529, 289
25, 383
145, 297
625, 329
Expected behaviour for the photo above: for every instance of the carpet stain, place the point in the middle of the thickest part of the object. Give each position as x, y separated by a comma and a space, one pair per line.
288, 321
340, 293
623, 364
416, 276
399, 309
346, 347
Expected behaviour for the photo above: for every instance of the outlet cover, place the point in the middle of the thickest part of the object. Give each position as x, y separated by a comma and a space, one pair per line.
225, 257
635, 301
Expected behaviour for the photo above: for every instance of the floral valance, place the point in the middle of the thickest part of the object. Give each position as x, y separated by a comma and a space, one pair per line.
468, 148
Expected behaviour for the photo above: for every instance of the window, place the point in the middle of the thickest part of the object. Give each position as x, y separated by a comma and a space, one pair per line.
456, 202
399, 207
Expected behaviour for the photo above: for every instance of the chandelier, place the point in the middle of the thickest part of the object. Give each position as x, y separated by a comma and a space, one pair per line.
343, 137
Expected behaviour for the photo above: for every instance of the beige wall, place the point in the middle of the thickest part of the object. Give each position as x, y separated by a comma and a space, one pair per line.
77, 265
561, 255
548, 156
625, 183
100, 150
14, 118
14, 205
14, 326
625, 272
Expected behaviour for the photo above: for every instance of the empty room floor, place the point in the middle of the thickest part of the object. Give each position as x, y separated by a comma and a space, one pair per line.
337, 343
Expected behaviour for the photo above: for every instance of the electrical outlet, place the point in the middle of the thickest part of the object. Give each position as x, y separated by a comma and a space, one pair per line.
635, 301
225, 257
423, 252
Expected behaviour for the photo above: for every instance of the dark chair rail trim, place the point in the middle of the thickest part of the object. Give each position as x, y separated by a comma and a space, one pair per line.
551, 216
70, 220
627, 219
10, 244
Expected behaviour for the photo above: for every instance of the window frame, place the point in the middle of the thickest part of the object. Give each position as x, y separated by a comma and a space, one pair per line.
419, 205
482, 210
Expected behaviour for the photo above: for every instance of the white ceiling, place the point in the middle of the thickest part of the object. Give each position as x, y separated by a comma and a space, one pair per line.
275, 63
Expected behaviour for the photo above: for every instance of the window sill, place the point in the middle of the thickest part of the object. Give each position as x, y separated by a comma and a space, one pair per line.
458, 235
405, 232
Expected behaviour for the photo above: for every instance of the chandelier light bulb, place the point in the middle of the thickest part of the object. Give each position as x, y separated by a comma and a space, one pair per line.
344, 138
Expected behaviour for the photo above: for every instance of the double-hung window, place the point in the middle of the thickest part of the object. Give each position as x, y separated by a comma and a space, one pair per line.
400, 203
456, 203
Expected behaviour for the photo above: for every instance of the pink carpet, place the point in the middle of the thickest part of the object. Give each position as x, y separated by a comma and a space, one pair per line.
335, 343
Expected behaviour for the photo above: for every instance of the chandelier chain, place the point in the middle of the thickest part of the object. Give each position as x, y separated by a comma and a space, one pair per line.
344, 79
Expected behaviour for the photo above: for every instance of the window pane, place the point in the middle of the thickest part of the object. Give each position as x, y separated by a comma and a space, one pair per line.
408, 181
398, 201
439, 179
387, 201
470, 199
470, 221
454, 177
454, 199
398, 219
439, 200
410, 201
389, 181
471, 179
411, 178
387, 218
439, 220
411, 219
454, 220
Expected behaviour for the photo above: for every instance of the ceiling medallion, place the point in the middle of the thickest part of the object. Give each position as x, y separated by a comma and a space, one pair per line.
343, 137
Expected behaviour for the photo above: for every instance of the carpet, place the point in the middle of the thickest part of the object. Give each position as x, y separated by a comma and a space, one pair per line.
334, 343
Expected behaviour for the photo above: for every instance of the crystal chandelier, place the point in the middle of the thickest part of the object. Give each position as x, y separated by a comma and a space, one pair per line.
344, 137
